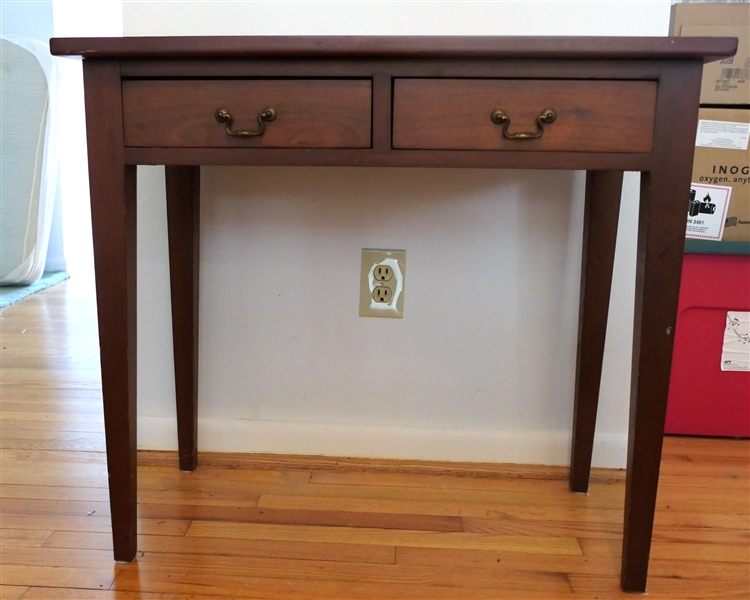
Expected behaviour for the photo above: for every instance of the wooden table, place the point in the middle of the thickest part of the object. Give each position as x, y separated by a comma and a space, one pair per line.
606, 105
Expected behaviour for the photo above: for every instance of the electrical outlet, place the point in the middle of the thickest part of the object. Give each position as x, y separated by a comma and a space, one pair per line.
382, 294
383, 273
382, 283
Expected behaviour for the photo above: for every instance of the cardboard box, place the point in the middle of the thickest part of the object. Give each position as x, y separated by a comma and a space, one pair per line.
726, 81
719, 209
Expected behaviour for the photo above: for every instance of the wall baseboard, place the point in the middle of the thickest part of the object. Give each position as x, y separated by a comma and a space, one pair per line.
381, 441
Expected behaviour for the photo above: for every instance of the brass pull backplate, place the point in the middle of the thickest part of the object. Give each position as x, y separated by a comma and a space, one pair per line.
500, 117
266, 116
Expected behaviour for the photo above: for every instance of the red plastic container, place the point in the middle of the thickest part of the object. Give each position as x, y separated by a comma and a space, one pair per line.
703, 399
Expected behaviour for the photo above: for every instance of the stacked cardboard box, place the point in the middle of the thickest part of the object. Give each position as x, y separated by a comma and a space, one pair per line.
719, 208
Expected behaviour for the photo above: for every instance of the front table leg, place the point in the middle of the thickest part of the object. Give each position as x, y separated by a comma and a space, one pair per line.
658, 270
183, 209
662, 217
113, 217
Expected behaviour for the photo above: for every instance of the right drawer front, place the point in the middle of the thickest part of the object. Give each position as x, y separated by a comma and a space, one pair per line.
592, 116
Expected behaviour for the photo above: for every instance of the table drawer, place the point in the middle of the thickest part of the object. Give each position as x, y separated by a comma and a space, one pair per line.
309, 113
591, 116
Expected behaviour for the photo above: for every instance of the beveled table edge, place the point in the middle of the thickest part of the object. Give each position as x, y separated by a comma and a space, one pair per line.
553, 47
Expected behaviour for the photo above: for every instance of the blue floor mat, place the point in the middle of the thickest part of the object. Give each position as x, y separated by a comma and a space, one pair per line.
11, 294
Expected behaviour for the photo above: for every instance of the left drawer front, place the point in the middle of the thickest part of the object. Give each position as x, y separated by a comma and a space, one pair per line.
310, 113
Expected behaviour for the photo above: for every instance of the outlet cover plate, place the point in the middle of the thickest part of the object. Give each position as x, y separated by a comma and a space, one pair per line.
371, 259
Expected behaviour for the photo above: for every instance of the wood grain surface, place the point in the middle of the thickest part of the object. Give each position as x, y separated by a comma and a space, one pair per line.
112, 186
267, 526
592, 116
422, 46
600, 218
311, 113
183, 228
661, 240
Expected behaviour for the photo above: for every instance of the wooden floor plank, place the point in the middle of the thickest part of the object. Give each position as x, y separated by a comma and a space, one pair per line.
364, 553
12, 592
576, 529
22, 538
610, 499
46, 576
711, 552
81, 407
607, 497
185, 582
10, 389
612, 531
388, 537
495, 506
735, 479
73, 426
311, 570
23, 439
58, 557
80, 508
93, 523
449, 482
36, 417
608, 565
58, 475
665, 517
661, 587
47, 593
45, 492
240, 514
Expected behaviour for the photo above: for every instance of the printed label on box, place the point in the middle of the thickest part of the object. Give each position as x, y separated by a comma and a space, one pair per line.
735, 353
723, 134
707, 211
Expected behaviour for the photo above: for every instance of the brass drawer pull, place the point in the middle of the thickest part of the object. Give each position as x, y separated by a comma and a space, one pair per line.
500, 117
266, 116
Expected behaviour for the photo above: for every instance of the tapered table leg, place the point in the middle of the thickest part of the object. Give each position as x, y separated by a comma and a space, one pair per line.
183, 210
113, 215
665, 192
601, 213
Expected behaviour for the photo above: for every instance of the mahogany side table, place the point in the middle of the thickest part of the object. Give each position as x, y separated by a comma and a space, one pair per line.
605, 105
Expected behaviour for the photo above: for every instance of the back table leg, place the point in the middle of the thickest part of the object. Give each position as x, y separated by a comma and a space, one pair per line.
603, 191
183, 210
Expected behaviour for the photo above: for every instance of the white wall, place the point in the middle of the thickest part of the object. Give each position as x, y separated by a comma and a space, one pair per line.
27, 19
483, 373
78, 18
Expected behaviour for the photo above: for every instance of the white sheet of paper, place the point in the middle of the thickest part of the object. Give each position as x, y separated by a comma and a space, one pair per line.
723, 134
707, 211
735, 353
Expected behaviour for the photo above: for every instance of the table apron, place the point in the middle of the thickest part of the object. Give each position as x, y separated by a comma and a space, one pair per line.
434, 67
576, 161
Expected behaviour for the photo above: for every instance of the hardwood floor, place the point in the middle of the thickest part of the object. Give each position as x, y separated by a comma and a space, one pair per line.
258, 526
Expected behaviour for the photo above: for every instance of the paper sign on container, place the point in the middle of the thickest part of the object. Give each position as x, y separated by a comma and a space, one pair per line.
707, 211
722, 134
735, 352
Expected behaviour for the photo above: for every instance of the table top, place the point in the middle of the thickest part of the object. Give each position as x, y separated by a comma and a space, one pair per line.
579, 47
